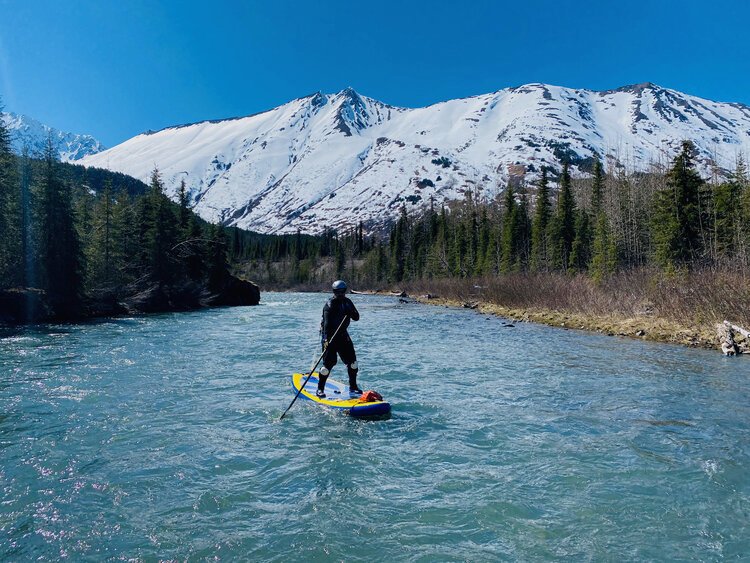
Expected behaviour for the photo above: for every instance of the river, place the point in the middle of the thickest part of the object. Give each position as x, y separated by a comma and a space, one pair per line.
158, 437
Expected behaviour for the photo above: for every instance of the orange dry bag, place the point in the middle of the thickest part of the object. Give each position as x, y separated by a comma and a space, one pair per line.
370, 397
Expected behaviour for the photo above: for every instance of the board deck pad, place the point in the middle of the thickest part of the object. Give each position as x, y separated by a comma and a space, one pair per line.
338, 397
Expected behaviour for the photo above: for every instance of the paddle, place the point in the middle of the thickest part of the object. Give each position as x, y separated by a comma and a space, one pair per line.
309, 375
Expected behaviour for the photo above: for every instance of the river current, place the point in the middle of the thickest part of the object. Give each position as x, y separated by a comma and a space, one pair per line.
158, 437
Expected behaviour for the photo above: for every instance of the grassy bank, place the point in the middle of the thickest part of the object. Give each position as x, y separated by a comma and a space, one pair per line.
643, 304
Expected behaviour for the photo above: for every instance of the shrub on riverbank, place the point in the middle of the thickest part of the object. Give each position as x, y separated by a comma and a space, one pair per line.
689, 298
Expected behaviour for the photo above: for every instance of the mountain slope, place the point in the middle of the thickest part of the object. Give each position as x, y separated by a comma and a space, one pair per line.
333, 160
26, 131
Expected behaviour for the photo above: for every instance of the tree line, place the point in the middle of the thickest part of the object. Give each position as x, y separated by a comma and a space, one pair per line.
79, 234
673, 220
75, 243
611, 221
298, 259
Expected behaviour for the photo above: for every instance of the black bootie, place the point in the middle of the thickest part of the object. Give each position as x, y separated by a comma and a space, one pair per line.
321, 391
353, 389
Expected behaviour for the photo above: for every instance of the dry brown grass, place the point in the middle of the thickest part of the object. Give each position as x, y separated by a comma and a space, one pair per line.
642, 303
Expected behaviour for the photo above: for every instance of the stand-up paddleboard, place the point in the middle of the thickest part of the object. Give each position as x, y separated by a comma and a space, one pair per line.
337, 397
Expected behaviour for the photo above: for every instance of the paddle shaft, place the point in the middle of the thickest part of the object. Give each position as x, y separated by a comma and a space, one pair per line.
316, 365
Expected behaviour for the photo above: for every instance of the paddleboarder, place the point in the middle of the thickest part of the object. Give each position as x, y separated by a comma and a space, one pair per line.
338, 308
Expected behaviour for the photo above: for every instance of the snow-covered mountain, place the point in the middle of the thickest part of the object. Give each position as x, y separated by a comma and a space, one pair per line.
26, 131
331, 160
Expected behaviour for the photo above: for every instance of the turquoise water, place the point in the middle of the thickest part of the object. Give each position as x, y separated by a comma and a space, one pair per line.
158, 438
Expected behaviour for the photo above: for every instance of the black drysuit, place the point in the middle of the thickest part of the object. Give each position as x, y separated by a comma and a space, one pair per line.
333, 313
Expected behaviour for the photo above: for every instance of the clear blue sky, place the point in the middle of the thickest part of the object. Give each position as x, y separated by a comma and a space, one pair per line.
115, 68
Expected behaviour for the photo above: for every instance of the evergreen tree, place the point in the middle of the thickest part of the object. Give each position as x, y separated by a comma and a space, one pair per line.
437, 256
381, 264
160, 233
26, 259
398, 247
101, 251
603, 250
434, 221
492, 256
360, 239
580, 253
218, 266
482, 266
540, 255
459, 250
195, 263
445, 265
83, 211
523, 232
597, 188
676, 228
60, 247
144, 215
418, 247
472, 238
183, 223
10, 214
296, 254
729, 202
727, 218
237, 248
508, 240
340, 257
126, 242
603, 260
4, 135
563, 229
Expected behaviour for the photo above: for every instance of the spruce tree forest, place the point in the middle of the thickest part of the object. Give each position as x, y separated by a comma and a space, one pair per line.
76, 242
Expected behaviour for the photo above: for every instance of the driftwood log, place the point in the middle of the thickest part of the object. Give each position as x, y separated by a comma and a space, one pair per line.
726, 334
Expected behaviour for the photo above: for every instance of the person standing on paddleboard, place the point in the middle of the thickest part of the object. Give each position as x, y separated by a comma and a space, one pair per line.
334, 311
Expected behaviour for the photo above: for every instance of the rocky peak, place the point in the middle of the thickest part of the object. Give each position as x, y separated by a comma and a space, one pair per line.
318, 99
352, 114
26, 132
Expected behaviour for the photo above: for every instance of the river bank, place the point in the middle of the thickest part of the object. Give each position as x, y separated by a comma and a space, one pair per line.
640, 304
645, 327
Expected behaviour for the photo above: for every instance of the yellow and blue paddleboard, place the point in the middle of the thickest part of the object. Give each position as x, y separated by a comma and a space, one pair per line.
337, 397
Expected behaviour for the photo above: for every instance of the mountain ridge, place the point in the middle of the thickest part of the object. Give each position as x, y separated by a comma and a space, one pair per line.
332, 160
28, 132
